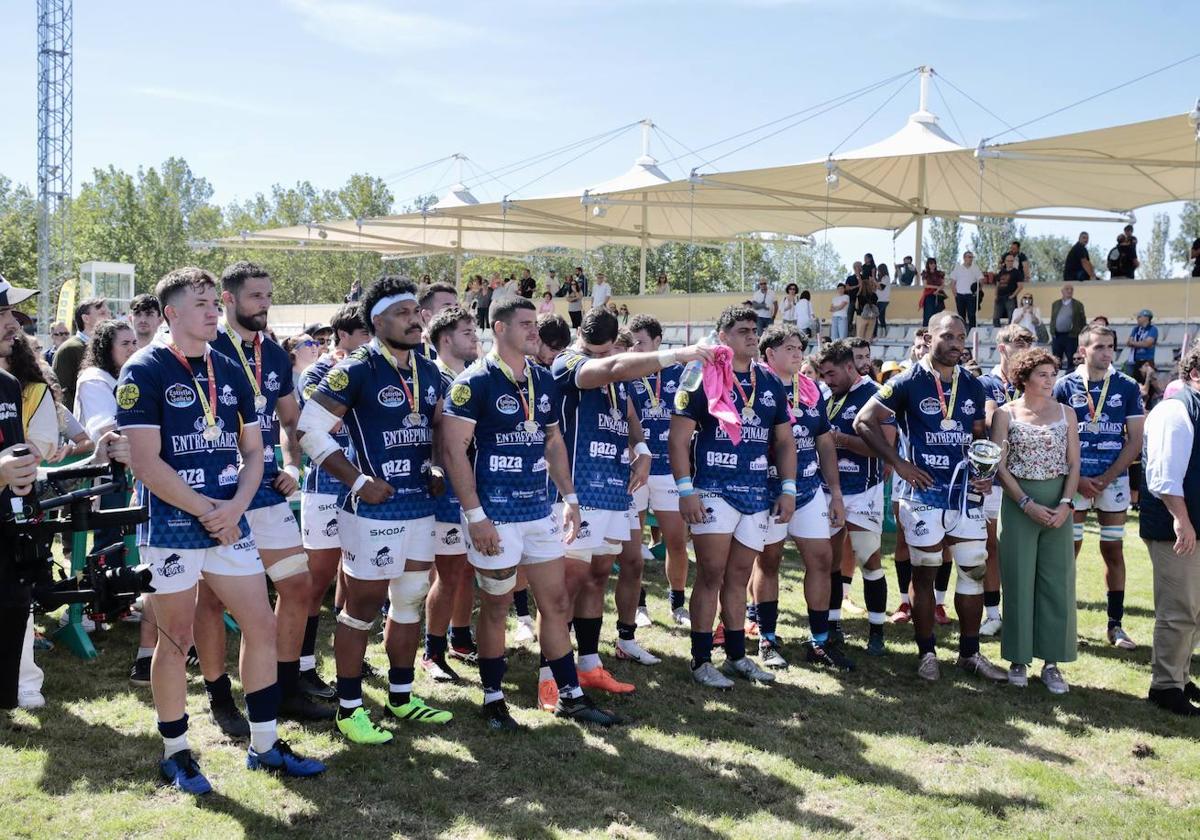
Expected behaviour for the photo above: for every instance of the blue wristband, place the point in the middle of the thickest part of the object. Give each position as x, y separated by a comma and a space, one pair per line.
788, 487
684, 485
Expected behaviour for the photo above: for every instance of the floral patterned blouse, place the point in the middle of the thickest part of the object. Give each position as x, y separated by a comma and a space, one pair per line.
1036, 452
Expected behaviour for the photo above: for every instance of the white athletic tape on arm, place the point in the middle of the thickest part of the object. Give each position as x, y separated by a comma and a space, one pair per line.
316, 422
297, 564
407, 594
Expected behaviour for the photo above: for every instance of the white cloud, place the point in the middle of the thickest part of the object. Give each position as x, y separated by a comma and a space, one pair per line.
205, 100
372, 28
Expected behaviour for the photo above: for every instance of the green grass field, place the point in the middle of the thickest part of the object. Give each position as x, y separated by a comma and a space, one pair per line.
876, 753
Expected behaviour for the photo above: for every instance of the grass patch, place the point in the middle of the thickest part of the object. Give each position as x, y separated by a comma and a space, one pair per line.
876, 753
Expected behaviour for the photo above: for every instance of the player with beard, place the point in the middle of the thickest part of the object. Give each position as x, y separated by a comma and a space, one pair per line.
319, 500
390, 399
782, 347
940, 407
197, 453
600, 427
452, 336
506, 408
728, 502
246, 297
1000, 390
1108, 405
653, 396
861, 481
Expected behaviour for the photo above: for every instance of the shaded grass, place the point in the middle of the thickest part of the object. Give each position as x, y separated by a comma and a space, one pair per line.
874, 753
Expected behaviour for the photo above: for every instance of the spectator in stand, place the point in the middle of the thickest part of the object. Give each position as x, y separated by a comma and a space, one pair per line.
552, 283
883, 290
966, 278
1146, 376
765, 306
581, 279
906, 272
602, 291
58, 334
853, 284
868, 309
663, 285
355, 293
1020, 260
546, 307
471, 294
69, 356
1131, 240
483, 302
1008, 287
623, 314
1067, 319
526, 286
838, 308
933, 296
868, 266
145, 314
787, 306
1195, 257
1078, 266
303, 350
1119, 260
321, 333
1143, 339
574, 302
1030, 317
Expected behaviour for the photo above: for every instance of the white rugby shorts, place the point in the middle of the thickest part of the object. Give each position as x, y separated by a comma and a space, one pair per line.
377, 549
178, 569
658, 494
865, 509
720, 517
319, 521
1112, 499
274, 526
521, 543
449, 538
809, 522
928, 525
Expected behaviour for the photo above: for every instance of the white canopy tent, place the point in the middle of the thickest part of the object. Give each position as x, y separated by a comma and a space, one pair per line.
916, 173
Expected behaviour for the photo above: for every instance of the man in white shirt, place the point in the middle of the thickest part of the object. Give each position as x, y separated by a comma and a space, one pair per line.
1170, 509
765, 305
966, 278
601, 292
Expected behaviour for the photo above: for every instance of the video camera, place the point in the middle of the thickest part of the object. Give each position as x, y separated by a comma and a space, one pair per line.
106, 586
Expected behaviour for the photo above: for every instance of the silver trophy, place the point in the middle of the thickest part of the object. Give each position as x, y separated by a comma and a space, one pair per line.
984, 457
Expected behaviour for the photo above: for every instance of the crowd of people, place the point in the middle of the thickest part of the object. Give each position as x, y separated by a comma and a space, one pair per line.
443, 484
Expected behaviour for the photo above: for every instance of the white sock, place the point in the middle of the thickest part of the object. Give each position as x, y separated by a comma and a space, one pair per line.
939, 597
544, 673
904, 599
835, 615
174, 745
145, 652
588, 662
395, 688
993, 613
263, 735
845, 590
492, 696
349, 704
875, 618
308, 663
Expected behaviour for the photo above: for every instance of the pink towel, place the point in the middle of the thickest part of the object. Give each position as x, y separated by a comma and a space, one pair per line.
718, 387
809, 392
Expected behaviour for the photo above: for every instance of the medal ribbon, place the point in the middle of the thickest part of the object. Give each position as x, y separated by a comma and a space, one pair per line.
206, 404
526, 404
255, 377
656, 394
947, 410
1093, 411
416, 382
748, 402
830, 409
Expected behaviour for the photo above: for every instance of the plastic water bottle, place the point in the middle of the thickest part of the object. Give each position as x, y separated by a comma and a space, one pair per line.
693, 373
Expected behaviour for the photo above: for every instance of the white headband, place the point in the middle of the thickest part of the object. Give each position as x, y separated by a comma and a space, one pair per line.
384, 303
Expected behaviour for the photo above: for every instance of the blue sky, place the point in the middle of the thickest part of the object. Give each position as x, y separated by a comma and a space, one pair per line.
264, 91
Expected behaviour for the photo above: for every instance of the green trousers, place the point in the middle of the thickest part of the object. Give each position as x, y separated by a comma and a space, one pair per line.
1037, 576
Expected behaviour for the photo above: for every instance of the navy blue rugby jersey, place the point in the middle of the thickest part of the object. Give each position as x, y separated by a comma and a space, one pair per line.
276, 383
997, 389
597, 442
738, 473
653, 396
810, 423
856, 473
317, 480
156, 391
446, 507
1099, 449
387, 443
510, 463
913, 397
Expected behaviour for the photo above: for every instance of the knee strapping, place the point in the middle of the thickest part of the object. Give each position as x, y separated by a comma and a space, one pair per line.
864, 544
407, 594
1112, 533
606, 548
927, 558
1077, 531
496, 586
971, 559
297, 564
353, 623
872, 574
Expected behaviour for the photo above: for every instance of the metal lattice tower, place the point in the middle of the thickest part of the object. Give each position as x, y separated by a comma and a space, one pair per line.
54, 151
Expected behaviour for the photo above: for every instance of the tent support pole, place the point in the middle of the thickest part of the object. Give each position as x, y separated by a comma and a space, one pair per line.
917, 257
645, 242
458, 283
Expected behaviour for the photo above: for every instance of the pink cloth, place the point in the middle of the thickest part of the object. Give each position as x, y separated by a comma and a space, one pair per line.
1173, 388
809, 392
718, 389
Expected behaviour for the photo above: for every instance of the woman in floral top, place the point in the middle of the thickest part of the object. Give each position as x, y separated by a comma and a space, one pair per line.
1039, 471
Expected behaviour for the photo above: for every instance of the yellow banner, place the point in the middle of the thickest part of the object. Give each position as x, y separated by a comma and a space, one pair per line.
66, 302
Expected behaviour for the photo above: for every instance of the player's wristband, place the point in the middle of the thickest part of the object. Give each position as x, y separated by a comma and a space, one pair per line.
666, 358
642, 449
571, 499
475, 515
293, 471
788, 487
359, 482
684, 486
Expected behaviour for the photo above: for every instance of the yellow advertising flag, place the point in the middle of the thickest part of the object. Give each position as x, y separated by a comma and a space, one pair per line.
66, 301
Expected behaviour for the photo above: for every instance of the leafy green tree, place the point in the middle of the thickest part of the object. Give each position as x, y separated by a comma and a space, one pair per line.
1153, 258
942, 241
991, 239
18, 234
1189, 231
